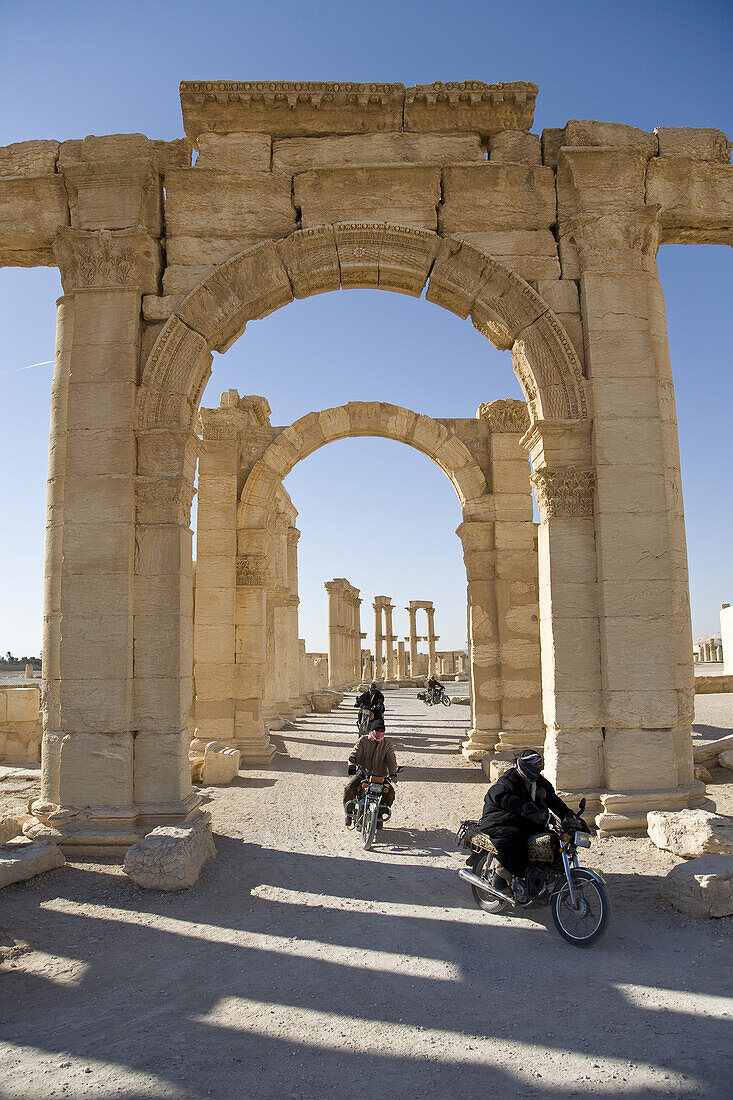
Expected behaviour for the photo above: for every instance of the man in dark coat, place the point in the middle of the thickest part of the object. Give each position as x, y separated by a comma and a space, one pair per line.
515, 808
372, 700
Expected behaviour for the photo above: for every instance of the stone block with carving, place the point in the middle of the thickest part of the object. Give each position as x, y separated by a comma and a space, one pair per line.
21, 859
701, 887
171, 857
322, 701
691, 833
221, 764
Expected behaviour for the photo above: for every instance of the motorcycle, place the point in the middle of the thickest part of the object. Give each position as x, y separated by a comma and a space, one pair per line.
430, 698
363, 719
577, 895
366, 810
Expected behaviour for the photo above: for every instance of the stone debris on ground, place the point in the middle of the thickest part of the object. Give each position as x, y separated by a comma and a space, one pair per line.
701, 887
691, 833
171, 857
21, 859
725, 760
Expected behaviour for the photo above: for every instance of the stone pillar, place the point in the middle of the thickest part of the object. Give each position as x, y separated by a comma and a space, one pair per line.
432, 638
390, 640
295, 691
254, 638
516, 584
412, 611
378, 638
612, 238
401, 662
114, 739
477, 537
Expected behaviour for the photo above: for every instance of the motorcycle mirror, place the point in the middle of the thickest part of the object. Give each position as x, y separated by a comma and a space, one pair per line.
582, 805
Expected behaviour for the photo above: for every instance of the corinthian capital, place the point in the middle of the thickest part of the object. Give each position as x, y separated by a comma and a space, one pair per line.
626, 240
564, 492
508, 415
107, 259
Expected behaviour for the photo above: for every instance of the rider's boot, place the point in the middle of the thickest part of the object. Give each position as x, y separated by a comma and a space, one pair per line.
521, 893
499, 883
347, 821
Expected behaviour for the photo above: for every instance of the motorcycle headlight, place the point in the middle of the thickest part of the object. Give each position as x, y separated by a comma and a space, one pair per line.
581, 840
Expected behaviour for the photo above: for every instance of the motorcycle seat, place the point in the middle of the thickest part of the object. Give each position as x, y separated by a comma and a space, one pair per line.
539, 846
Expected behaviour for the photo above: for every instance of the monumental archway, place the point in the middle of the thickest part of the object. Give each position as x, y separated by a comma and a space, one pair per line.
549, 247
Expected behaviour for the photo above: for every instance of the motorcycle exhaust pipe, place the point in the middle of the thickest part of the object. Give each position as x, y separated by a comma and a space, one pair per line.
469, 876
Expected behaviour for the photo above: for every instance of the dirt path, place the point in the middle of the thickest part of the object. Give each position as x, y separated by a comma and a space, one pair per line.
301, 966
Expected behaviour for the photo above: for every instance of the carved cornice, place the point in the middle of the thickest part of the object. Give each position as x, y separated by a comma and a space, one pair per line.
508, 415
489, 108
565, 492
163, 500
107, 259
253, 569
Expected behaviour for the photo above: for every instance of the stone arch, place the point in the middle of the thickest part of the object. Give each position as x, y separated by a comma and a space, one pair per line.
458, 276
355, 419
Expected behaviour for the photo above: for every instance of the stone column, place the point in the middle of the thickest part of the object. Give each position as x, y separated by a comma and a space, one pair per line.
254, 642
432, 638
378, 638
390, 640
516, 584
412, 611
401, 662
296, 701
639, 523
335, 642
94, 792
477, 537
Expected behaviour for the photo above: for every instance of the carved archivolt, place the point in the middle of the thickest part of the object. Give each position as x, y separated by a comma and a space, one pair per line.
462, 278
564, 492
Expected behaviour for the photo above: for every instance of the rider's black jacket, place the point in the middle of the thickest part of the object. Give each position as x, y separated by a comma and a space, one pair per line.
504, 801
371, 701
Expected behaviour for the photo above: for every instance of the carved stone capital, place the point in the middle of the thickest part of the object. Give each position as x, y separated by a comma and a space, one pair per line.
253, 569
219, 424
293, 536
625, 240
163, 500
508, 415
565, 492
107, 259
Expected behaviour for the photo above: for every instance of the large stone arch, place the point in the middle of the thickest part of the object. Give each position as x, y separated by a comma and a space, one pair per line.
459, 277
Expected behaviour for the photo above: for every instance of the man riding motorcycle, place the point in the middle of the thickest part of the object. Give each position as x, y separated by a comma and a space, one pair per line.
373, 754
434, 686
515, 807
372, 700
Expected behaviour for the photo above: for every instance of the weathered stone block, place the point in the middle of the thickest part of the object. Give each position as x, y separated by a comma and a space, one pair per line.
356, 151
612, 134
10, 827
235, 152
701, 887
531, 254
470, 105
725, 760
599, 181
221, 764
483, 197
401, 195
32, 208
21, 859
515, 147
687, 141
224, 205
696, 199
171, 857
29, 158
691, 833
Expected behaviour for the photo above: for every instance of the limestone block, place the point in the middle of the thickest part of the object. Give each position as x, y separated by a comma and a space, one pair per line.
223, 205
160, 307
497, 768
221, 764
701, 887
181, 279
628, 753
21, 859
235, 152
709, 753
702, 774
322, 701
599, 180
691, 833
483, 197
531, 254
696, 198
32, 208
403, 195
561, 295
290, 108
469, 105
311, 260
171, 857
687, 141
9, 827
356, 151
613, 134
161, 767
22, 704
515, 147
29, 158
553, 139
725, 760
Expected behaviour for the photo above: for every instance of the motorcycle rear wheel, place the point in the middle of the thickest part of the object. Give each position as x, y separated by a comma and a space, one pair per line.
483, 898
446, 700
585, 926
369, 825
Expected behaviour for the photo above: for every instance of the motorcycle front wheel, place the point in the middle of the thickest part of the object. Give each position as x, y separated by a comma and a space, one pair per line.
486, 901
585, 924
369, 825
446, 700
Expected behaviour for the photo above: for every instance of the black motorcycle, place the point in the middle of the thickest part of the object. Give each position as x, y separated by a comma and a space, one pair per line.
434, 697
577, 896
367, 811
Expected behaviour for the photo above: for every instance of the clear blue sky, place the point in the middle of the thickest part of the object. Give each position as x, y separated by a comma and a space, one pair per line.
72, 68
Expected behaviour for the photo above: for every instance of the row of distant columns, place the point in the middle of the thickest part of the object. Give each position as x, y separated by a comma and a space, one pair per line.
344, 633
708, 652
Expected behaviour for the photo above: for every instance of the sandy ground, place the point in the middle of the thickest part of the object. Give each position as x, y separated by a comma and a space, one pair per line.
300, 965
